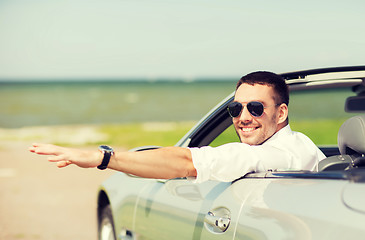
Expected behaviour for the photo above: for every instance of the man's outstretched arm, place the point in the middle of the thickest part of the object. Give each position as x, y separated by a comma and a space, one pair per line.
162, 163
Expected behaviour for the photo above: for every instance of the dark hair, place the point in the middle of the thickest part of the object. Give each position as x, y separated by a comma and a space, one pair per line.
269, 79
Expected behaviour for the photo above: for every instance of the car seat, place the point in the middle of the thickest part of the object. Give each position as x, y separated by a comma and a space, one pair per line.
351, 143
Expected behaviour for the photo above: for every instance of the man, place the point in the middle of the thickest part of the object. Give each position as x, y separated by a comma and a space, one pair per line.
260, 116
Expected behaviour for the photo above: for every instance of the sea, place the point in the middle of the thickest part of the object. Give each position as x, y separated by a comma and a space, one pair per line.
43, 103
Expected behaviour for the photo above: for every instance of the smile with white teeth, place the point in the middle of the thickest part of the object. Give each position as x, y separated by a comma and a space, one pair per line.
248, 129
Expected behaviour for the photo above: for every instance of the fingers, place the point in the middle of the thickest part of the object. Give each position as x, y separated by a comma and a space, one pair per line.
48, 149
62, 164
33, 147
64, 156
58, 158
45, 149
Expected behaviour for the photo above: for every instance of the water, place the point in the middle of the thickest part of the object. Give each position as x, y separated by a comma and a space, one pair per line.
62, 103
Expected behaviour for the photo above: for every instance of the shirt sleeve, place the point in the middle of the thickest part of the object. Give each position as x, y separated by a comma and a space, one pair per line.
233, 160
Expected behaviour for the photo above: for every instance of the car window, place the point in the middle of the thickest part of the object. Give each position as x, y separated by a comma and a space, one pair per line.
227, 136
319, 113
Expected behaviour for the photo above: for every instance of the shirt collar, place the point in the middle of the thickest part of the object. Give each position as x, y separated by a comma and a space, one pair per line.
282, 132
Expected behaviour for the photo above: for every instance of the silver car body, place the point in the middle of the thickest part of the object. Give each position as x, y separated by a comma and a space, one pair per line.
268, 205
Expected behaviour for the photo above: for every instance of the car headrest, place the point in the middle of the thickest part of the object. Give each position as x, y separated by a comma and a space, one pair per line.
351, 136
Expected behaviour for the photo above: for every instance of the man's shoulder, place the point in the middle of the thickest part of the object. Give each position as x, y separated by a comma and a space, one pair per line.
293, 138
288, 136
281, 134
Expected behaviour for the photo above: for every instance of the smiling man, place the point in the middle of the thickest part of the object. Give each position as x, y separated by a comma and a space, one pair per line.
260, 116
266, 97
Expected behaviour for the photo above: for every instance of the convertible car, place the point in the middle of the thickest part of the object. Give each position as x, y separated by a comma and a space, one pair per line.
329, 203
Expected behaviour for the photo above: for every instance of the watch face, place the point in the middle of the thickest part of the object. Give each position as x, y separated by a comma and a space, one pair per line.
106, 148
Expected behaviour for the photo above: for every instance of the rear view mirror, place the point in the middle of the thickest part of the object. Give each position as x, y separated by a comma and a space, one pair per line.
355, 104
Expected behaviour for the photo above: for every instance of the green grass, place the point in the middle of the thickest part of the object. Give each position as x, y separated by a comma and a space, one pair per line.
140, 134
322, 132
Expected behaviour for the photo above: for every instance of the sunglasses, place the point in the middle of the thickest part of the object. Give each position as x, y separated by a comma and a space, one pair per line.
256, 109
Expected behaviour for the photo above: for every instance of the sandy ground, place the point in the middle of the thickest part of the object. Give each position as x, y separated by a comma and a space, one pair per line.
40, 201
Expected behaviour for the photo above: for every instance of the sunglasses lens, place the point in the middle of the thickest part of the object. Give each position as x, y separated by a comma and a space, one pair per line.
234, 109
255, 108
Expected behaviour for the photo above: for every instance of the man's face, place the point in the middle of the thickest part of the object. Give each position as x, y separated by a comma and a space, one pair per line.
256, 130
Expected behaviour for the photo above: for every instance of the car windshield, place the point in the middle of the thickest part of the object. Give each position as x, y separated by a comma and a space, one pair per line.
316, 113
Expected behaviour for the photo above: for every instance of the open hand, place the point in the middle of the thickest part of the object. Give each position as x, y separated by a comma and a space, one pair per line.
65, 156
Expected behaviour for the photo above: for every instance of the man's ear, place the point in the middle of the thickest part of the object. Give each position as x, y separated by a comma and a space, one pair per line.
283, 113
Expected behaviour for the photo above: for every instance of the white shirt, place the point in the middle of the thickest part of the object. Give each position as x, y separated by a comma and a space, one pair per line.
286, 149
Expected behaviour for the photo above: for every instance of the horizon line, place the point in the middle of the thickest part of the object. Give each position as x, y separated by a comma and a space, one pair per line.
116, 80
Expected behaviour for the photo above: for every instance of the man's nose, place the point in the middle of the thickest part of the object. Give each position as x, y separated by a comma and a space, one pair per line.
245, 116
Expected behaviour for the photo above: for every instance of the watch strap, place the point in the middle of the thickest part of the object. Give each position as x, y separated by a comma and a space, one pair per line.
106, 159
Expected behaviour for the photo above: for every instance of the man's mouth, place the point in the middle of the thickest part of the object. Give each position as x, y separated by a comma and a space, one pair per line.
248, 129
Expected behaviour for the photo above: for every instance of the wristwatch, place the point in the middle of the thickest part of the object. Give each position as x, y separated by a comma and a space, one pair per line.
108, 152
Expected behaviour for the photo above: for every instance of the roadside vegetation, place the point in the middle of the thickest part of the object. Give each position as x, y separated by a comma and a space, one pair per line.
322, 132
131, 135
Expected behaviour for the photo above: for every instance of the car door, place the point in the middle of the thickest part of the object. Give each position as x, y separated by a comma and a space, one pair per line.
299, 205
269, 205
181, 209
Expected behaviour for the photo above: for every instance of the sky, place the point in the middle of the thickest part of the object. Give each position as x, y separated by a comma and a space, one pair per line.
117, 39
